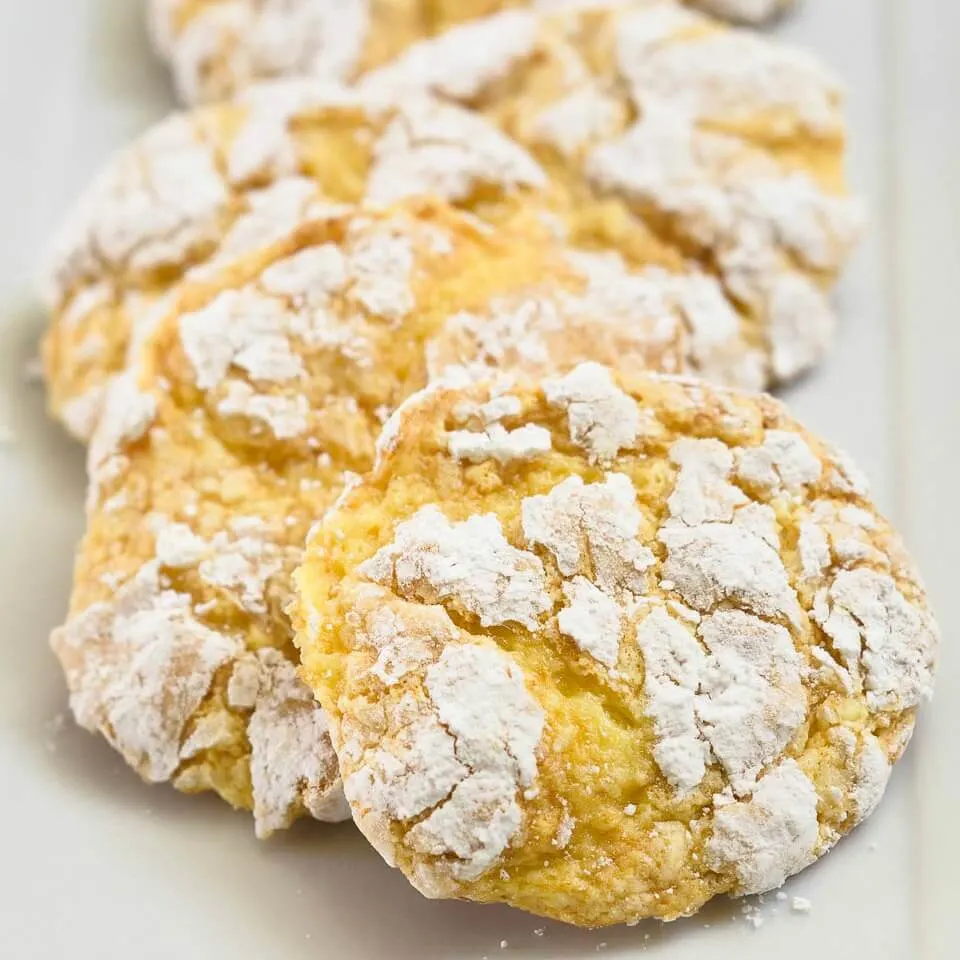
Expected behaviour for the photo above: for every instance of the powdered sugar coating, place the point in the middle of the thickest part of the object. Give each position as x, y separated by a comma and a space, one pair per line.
216, 47
712, 562
651, 318
592, 619
470, 565
883, 641
498, 443
197, 439
459, 752
465, 60
203, 188
728, 692
291, 757
769, 837
711, 160
592, 527
435, 149
702, 733
602, 419
139, 667
674, 663
225, 45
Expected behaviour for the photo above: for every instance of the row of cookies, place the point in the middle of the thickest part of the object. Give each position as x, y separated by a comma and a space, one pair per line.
645, 129
248, 294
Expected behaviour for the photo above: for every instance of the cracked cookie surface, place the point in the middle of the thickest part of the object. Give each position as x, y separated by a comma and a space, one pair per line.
649, 132
217, 47
247, 406
201, 189
658, 123
647, 642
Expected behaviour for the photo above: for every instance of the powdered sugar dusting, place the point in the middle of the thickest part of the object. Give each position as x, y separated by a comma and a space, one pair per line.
411, 772
783, 462
292, 763
727, 75
713, 562
880, 637
480, 697
138, 668
460, 754
724, 195
873, 774
403, 635
582, 117
735, 695
157, 201
603, 420
592, 619
498, 443
460, 62
434, 149
381, 267
241, 328
751, 701
769, 837
592, 524
469, 564
285, 416
702, 491
127, 416
225, 46
618, 317
674, 664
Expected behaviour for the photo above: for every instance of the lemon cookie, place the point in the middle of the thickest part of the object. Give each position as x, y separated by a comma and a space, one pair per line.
653, 119
748, 193
217, 47
201, 188
644, 643
248, 405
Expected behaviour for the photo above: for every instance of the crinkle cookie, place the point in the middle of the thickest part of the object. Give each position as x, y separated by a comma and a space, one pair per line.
201, 188
653, 119
250, 402
217, 47
604, 646
735, 178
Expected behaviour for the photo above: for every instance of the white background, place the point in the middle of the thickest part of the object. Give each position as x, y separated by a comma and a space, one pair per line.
95, 864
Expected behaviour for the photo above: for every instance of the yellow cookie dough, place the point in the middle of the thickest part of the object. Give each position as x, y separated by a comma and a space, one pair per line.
604, 646
249, 403
217, 47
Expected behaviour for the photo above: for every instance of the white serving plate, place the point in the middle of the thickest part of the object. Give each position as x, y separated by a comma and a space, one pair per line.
95, 864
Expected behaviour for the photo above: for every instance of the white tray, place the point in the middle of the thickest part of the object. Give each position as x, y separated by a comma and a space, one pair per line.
95, 864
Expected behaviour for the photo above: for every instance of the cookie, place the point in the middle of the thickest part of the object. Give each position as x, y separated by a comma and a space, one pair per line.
762, 213
249, 404
653, 119
201, 188
605, 646
217, 47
